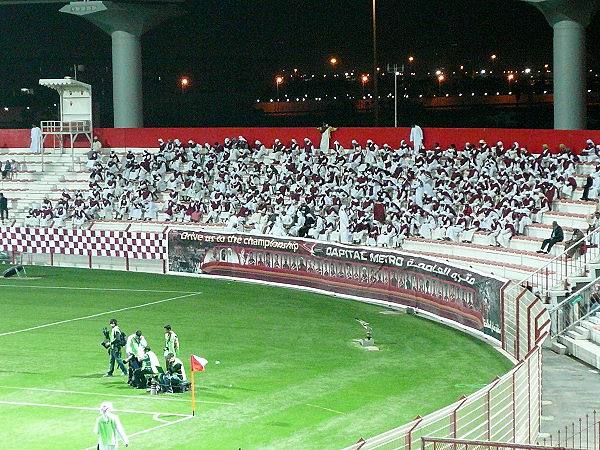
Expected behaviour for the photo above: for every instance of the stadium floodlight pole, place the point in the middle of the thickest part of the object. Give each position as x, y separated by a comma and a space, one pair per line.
569, 19
396, 72
375, 87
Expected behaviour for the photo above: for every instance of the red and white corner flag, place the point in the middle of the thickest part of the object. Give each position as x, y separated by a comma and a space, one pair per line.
198, 363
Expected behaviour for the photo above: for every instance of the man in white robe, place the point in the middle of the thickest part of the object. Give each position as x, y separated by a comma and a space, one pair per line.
326, 131
36, 140
416, 137
344, 224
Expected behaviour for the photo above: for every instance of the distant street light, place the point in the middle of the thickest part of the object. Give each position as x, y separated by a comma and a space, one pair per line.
493, 57
278, 81
440, 79
333, 61
184, 82
364, 79
411, 59
510, 79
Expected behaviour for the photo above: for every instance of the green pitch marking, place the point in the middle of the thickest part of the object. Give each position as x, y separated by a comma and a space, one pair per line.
289, 375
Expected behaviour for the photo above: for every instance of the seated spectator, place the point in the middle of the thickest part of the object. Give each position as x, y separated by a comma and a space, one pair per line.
556, 236
579, 249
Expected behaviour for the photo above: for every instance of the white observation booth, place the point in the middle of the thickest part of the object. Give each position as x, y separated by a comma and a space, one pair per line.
75, 110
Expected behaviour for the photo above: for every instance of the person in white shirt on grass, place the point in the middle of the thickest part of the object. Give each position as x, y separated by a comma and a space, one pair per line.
108, 428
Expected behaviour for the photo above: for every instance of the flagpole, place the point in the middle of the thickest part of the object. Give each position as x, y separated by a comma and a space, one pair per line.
193, 392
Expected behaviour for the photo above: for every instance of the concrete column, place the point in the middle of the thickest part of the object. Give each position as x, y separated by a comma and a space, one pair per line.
570, 93
127, 80
126, 23
569, 18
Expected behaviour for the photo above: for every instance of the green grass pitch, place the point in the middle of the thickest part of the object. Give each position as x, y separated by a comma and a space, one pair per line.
289, 375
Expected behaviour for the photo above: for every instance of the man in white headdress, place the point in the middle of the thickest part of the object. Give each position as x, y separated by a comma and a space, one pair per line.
325, 131
108, 428
344, 225
36, 140
416, 137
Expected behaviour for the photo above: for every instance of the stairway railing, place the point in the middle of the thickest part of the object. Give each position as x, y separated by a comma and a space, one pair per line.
575, 308
554, 273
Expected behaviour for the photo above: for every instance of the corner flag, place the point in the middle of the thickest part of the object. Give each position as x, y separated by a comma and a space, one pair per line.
198, 363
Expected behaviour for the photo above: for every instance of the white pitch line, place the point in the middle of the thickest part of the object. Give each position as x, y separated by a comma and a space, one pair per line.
89, 408
152, 429
158, 419
91, 316
95, 289
104, 394
326, 409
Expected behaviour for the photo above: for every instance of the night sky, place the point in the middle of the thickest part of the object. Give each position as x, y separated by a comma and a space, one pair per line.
232, 48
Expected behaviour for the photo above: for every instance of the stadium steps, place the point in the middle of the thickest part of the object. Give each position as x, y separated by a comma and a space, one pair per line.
483, 252
574, 220
515, 272
583, 341
575, 206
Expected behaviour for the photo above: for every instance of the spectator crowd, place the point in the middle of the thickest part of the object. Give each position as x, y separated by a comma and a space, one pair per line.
369, 194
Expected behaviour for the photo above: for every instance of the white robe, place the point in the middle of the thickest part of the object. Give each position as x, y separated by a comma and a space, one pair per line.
325, 136
416, 137
36, 140
344, 224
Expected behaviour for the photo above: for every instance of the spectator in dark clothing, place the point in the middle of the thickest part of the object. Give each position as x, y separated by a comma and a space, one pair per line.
589, 181
556, 236
3, 207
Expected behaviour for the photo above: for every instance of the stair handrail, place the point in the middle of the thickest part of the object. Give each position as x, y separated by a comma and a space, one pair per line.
546, 279
570, 306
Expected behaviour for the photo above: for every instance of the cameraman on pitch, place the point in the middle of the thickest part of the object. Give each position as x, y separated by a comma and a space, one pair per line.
116, 341
134, 348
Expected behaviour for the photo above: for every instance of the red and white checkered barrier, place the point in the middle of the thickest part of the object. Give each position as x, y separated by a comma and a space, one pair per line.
121, 244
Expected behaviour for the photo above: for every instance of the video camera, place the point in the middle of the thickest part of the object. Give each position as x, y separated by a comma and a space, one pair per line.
106, 342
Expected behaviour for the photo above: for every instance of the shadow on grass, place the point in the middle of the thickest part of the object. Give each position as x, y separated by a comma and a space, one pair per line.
89, 375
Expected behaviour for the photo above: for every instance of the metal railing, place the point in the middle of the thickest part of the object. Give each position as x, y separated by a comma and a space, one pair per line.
553, 274
575, 308
429, 443
583, 433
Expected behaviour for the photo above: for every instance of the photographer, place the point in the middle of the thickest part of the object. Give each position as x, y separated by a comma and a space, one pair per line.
149, 366
175, 375
134, 349
116, 340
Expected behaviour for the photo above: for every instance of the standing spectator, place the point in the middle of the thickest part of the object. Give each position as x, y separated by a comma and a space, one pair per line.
3, 207
556, 236
36, 139
416, 137
96, 144
6, 169
325, 131
108, 428
589, 182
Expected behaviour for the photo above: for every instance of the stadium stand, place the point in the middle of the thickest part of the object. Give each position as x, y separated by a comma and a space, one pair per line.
488, 207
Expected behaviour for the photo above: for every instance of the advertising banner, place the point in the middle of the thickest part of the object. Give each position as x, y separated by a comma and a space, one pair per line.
465, 296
